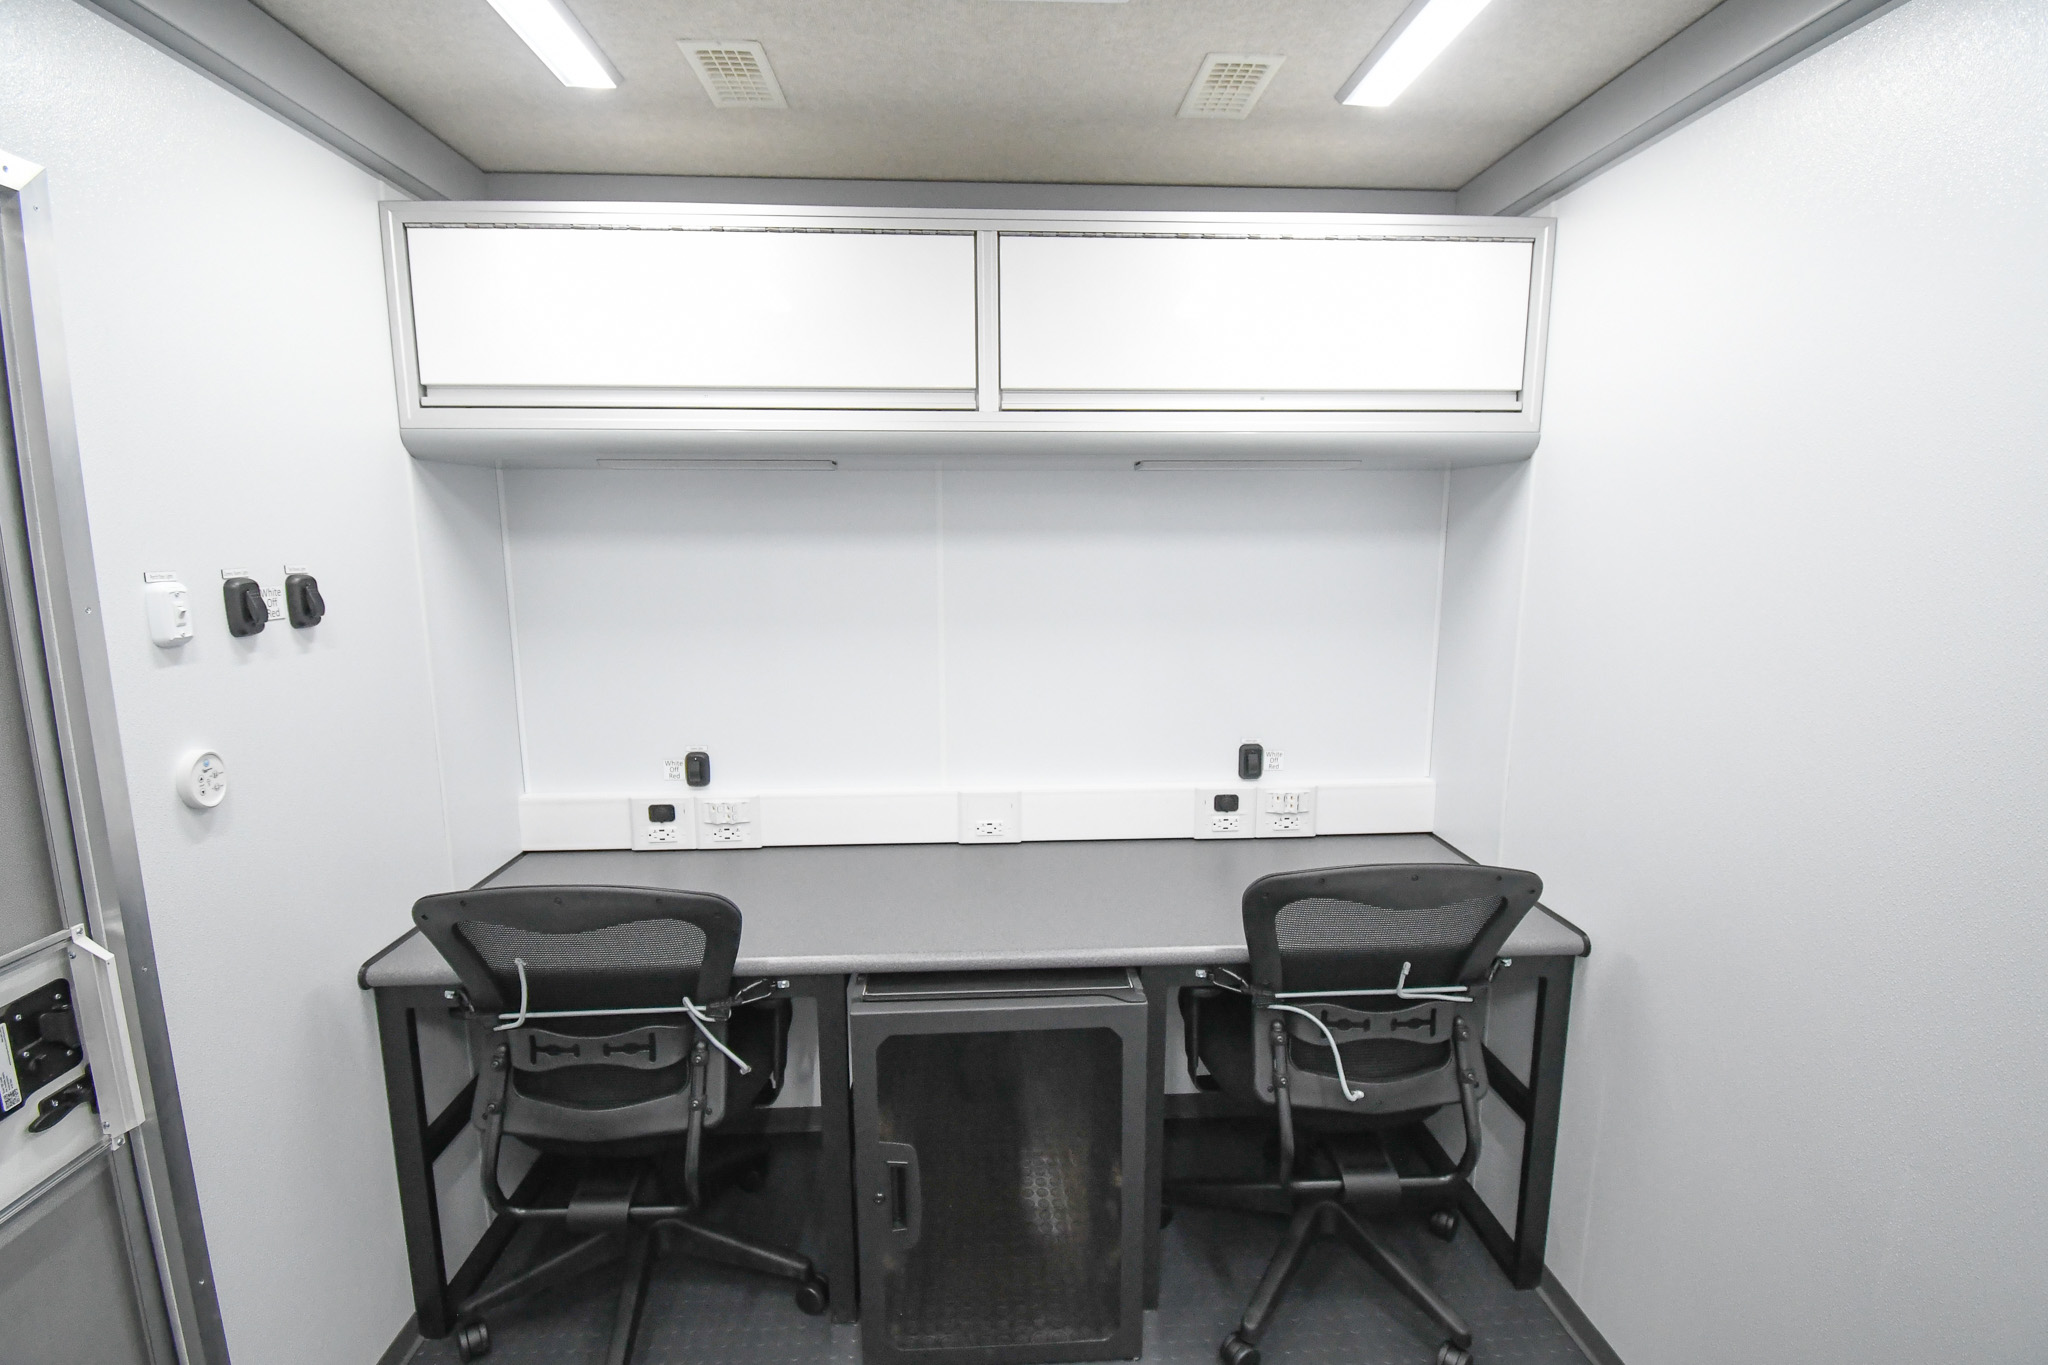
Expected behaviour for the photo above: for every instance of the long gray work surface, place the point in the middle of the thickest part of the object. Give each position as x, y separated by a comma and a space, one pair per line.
932, 907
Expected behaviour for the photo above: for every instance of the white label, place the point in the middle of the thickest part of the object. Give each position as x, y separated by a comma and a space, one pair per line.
159, 576
294, 568
674, 768
274, 599
226, 574
10, 1082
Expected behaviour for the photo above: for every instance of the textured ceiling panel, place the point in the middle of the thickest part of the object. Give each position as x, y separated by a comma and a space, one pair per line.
997, 90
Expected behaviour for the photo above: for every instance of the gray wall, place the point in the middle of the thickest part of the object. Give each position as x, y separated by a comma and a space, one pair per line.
1777, 727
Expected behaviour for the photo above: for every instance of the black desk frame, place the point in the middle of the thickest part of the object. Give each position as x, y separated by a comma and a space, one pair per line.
418, 1140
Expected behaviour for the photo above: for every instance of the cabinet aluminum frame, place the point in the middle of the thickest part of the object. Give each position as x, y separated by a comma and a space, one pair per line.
54, 612
504, 426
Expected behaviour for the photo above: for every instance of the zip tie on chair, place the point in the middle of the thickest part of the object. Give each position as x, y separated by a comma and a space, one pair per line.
699, 1014
1335, 1055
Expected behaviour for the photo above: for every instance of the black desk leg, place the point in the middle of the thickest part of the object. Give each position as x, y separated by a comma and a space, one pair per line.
835, 1150
1546, 1099
405, 1089
1159, 984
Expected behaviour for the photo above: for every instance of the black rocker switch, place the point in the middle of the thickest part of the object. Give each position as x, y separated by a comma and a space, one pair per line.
248, 613
1251, 761
302, 601
697, 768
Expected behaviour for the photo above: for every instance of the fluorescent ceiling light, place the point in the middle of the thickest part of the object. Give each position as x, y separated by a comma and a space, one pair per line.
556, 38
1416, 40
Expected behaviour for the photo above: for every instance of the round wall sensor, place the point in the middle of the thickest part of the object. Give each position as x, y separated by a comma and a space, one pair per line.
203, 781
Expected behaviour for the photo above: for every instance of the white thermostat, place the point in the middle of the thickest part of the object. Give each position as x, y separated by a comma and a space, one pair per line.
203, 781
169, 609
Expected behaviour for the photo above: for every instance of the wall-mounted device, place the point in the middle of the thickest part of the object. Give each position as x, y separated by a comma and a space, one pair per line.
248, 613
664, 822
697, 768
1251, 762
1224, 814
203, 780
168, 607
302, 600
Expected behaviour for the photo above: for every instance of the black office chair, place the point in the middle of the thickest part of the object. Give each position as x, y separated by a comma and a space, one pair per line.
1365, 1012
580, 1003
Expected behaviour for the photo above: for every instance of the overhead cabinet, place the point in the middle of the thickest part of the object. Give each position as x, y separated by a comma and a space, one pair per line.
1105, 321
560, 316
624, 334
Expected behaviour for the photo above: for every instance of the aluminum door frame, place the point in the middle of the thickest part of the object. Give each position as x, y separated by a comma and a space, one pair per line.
54, 613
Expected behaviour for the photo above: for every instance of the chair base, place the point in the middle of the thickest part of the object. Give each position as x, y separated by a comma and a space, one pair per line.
638, 1245
1327, 1220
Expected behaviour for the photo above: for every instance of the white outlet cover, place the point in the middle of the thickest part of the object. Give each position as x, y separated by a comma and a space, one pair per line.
652, 835
991, 818
729, 822
1286, 813
1210, 823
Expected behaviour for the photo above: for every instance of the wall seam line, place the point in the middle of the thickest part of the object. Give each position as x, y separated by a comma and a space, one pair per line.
512, 633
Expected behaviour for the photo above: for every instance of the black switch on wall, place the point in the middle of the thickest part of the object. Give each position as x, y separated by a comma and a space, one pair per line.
697, 768
248, 613
1251, 761
302, 600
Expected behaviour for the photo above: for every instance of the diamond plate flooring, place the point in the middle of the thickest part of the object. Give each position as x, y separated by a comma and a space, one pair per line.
1336, 1310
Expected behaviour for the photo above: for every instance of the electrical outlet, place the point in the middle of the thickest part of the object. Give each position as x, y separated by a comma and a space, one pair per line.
728, 823
991, 818
1224, 814
667, 821
1286, 813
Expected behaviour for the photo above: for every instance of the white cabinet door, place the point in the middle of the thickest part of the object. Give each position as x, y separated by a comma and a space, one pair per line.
678, 317
1262, 323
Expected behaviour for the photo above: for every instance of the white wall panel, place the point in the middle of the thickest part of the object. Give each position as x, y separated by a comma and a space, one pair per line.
916, 631
220, 281
1778, 739
618, 308
1179, 314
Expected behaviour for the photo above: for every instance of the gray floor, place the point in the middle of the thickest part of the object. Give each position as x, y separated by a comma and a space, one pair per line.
1337, 1309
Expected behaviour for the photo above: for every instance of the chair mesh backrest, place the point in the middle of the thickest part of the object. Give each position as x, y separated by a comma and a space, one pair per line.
1351, 928
1338, 944
590, 947
651, 962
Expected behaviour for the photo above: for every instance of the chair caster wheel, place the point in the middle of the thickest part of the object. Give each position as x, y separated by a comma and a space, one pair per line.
1443, 1225
1451, 1353
812, 1296
1235, 1350
472, 1341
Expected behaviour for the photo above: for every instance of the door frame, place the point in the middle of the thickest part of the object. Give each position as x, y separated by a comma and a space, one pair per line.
53, 611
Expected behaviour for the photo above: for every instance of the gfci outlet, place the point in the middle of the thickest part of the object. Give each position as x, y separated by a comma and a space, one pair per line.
991, 818
667, 821
1286, 813
1225, 812
729, 822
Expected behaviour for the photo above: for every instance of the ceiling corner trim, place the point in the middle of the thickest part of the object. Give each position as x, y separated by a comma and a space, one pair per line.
239, 46
1725, 51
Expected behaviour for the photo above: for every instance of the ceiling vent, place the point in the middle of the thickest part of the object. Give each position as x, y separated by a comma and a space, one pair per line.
735, 74
1229, 84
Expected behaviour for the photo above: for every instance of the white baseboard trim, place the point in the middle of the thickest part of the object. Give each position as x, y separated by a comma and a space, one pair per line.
550, 823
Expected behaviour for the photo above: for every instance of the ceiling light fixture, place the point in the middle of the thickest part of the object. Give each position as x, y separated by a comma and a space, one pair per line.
556, 38
1417, 38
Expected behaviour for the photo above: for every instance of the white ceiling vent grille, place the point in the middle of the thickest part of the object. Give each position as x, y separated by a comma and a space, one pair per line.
735, 74
1229, 84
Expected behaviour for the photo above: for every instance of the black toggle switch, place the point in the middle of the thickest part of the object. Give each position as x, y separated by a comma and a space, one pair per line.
1251, 761
697, 768
302, 600
248, 613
